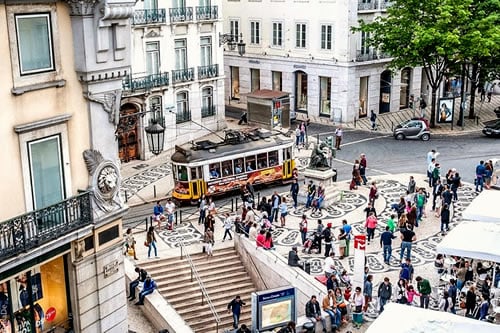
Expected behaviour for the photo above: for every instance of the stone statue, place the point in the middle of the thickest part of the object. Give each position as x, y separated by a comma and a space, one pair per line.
319, 157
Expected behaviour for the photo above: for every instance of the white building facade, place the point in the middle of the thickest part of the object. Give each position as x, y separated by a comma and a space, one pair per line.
176, 71
307, 48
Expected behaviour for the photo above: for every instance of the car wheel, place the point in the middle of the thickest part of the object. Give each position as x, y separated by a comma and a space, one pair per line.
400, 136
425, 137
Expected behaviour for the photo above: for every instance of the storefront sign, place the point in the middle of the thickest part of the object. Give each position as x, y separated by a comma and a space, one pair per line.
50, 314
299, 66
111, 268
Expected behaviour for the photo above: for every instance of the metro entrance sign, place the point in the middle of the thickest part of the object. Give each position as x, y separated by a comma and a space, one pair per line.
359, 261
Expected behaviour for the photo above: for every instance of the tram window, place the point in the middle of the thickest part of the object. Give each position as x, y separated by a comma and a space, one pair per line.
262, 161
238, 166
193, 174
273, 158
227, 168
288, 153
214, 170
250, 163
182, 172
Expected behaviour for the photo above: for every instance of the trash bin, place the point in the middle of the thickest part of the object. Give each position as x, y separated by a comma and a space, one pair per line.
334, 178
306, 266
308, 327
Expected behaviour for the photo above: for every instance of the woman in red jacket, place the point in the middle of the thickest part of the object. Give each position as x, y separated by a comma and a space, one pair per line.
371, 224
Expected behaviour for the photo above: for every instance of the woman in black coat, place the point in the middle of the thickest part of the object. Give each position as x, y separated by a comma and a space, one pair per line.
470, 300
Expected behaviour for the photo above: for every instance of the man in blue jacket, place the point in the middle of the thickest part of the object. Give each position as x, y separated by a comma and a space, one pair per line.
149, 287
480, 171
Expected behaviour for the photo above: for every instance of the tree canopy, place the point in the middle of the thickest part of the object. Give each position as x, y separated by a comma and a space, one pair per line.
437, 35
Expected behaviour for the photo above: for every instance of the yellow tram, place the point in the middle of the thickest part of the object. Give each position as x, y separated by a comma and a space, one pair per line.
213, 169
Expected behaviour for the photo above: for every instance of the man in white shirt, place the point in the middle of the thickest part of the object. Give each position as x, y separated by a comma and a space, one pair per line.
252, 233
329, 266
430, 169
169, 210
338, 137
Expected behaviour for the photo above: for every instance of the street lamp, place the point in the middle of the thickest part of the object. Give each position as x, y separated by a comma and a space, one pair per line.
232, 42
155, 134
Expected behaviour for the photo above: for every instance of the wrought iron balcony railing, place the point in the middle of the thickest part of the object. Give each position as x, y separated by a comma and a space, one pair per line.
367, 5
182, 75
181, 14
35, 228
385, 4
365, 56
149, 16
146, 82
183, 117
206, 72
207, 111
206, 13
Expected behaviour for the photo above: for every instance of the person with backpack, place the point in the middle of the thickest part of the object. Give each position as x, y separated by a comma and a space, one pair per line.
406, 271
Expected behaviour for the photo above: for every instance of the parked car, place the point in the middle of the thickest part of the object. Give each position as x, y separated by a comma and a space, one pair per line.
497, 111
412, 129
492, 128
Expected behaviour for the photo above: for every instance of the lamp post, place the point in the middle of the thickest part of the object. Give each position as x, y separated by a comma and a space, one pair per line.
232, 42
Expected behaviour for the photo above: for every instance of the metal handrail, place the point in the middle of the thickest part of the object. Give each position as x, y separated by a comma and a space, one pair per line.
204, 294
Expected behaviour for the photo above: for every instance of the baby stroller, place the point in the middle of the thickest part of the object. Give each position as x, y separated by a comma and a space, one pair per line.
312, 243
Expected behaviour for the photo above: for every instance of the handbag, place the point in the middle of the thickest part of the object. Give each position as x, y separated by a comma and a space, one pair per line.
130, 251
146, 244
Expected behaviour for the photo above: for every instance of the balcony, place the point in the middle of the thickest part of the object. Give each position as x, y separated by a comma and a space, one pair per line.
146, 82
363, 5
41, 226
149, 16
207, 72
181, 14
207, 111
385, 4
182, 75
366, 55
207, 13
183, 117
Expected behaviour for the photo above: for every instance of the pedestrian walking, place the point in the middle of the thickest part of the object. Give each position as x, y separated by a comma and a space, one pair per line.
384, 293
373, 195
407, 238
303, 228
169, 211
294, 191
339, 132
228, 226
275, 204
311, 194
151, 242
445, 220
348, 231
412, 184
283, 211
368, 291
327, 236
243, 118
234, 307
130, 244
297, 137
373, 120
202, 207
480, 172
208, 238
158, 214
371, 225
362, 168
386, 244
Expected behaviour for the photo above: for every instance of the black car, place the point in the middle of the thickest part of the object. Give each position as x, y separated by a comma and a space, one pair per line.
492, 128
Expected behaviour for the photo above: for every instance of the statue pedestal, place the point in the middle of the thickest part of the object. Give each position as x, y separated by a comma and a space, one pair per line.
323, 176
319, 176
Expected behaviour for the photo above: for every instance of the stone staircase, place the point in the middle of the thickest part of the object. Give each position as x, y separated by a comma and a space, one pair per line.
223, 276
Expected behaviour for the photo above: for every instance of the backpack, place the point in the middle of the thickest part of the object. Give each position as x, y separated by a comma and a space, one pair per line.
405, 272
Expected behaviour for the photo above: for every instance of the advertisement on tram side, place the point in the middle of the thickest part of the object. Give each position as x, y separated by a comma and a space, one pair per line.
229, 183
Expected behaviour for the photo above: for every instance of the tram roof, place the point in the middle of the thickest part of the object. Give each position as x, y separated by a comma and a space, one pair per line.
223, 150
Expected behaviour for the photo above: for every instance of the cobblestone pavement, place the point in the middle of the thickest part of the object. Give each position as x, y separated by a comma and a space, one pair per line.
350, 208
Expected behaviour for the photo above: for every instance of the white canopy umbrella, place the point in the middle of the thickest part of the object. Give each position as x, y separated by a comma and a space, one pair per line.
484, 208
472, 239
399, 318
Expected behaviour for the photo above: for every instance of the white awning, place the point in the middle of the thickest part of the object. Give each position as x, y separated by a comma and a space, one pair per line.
398, 318
472, 239
485, 207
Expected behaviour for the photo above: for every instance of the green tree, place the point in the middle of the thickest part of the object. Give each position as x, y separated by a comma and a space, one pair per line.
422, 33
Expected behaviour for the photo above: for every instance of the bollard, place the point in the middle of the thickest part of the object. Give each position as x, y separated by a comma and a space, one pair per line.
154, 191
355, 120
180, 217
477, 120
175, 217
232, 205
258, 198
236, 203
126, 196
317, 138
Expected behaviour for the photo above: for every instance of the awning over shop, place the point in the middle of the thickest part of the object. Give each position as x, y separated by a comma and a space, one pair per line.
485, 207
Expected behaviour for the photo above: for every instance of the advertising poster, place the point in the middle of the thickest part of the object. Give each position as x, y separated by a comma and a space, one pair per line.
445, 112
5, 326
236, 181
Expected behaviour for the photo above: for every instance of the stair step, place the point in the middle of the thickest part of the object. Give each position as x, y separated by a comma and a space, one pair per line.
228, 274
208, 324
151, 264
209, 286
206, 313
220, 303
202, 271
160, 266
226, 290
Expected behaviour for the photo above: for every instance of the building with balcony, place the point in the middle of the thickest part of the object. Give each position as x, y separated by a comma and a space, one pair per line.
176, 72
307, 48
61, 265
